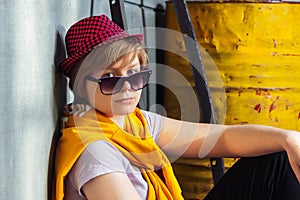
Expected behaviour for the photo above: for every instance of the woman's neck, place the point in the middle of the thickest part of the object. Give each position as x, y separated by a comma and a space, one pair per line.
119, 120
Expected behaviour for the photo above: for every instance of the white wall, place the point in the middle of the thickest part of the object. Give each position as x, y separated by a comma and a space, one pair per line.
31, 90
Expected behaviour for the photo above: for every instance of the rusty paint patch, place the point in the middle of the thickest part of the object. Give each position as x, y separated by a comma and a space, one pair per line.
253, 76
272, 106
290, 54
274, 43
257, 107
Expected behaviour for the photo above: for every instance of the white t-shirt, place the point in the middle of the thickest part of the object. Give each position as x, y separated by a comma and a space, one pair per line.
101, 157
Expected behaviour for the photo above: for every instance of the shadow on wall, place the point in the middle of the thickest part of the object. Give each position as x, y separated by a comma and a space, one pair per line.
60, 88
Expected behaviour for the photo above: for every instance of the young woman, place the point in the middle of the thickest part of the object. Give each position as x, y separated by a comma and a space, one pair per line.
110, 149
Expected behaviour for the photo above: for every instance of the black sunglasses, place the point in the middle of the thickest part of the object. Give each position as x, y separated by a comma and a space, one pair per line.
113, 85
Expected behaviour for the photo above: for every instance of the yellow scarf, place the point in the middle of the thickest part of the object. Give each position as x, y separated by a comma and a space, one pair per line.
83, 125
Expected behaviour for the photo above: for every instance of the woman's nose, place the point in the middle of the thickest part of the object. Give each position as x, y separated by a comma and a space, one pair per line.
126, 86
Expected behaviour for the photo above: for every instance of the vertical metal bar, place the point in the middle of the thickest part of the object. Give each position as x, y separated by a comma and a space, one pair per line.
117, 10
203, 91
194, 56
92, 8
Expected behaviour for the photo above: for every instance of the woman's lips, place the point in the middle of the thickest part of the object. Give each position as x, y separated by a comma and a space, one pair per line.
127, 100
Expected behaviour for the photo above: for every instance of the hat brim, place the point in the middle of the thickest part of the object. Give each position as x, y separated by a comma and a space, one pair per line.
68, 63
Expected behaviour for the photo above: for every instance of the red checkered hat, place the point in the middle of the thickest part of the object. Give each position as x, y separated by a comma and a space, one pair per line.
87, 34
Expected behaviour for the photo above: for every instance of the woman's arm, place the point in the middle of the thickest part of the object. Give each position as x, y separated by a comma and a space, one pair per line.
101, 173
112, 186
209, 140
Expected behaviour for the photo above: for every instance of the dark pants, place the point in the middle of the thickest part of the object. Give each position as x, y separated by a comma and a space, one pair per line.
258, 178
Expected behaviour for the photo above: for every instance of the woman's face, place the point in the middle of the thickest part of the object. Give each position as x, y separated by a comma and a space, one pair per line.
121, 103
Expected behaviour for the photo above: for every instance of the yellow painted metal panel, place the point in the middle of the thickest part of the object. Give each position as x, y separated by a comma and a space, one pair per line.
256, 48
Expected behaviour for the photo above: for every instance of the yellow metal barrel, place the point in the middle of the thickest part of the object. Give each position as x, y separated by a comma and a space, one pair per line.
256, 48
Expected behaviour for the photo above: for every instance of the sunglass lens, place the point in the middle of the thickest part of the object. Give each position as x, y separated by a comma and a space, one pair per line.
110, 85
137, 81
140, 80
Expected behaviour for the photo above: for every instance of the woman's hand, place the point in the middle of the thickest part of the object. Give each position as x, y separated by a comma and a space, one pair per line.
292, 147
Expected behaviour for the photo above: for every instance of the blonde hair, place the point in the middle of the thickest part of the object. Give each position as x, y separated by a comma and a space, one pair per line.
103, 57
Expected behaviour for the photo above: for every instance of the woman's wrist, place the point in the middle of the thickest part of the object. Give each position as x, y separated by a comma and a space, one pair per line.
287, 139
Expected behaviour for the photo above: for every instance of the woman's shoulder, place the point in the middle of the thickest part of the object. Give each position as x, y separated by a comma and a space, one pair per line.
98, 158
151, 116
155, 123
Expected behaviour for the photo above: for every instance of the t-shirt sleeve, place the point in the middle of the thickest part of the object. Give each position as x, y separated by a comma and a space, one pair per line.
155, 123
97, 159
